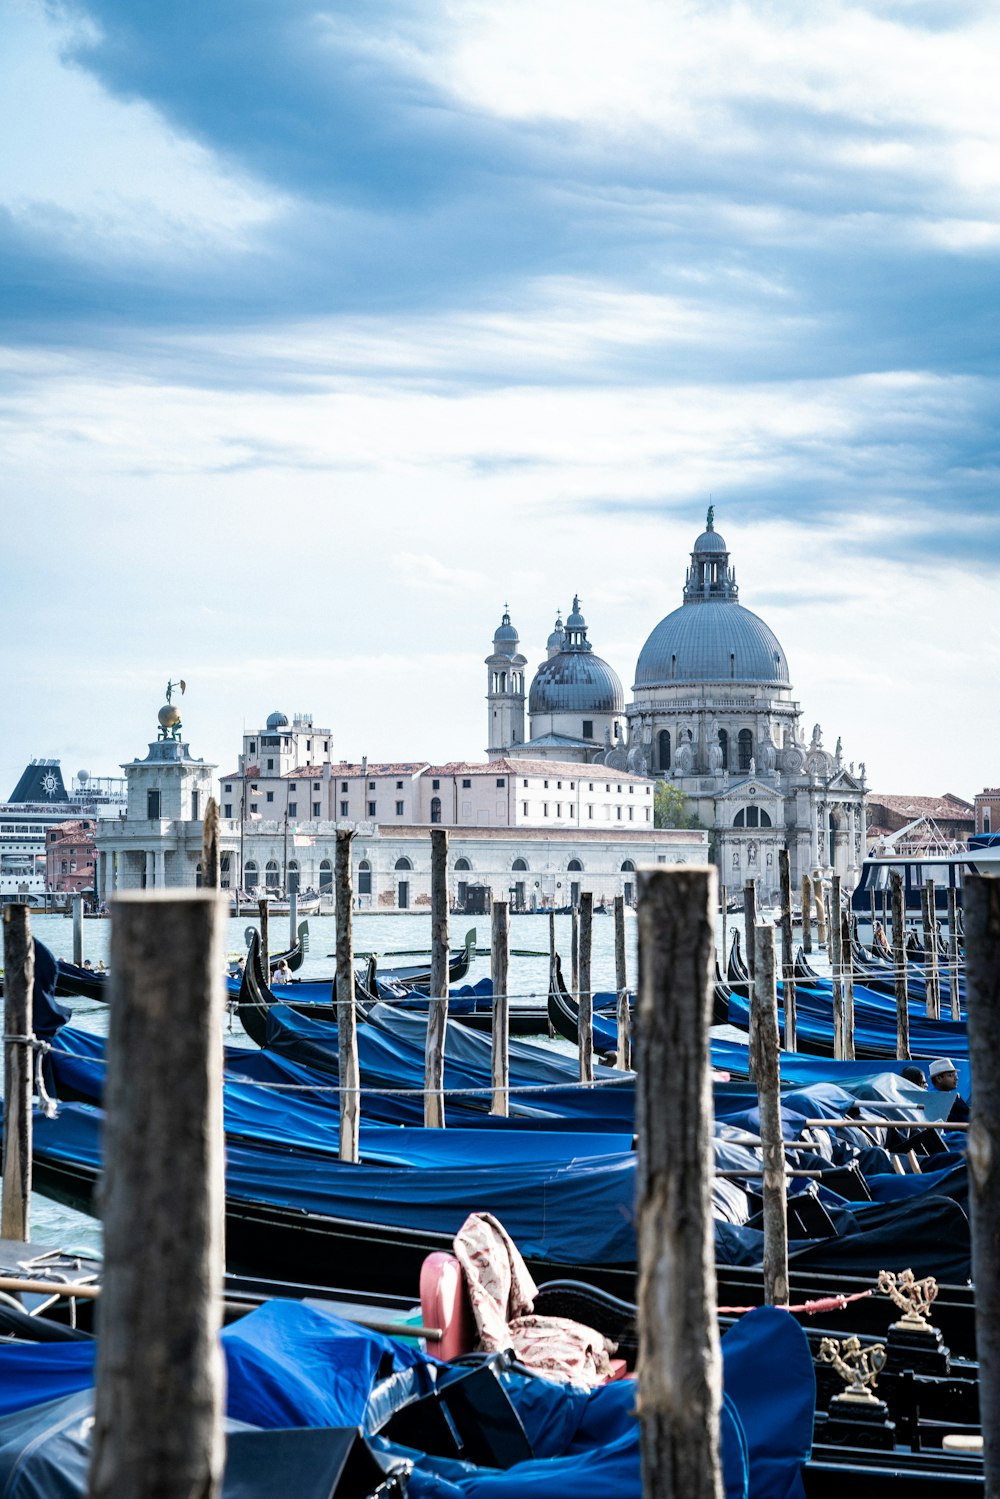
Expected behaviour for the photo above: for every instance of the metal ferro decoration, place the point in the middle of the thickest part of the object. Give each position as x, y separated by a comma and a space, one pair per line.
858, 1367
913, 1297
169, 717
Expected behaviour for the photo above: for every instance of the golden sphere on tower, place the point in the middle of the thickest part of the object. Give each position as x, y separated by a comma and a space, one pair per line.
168, 716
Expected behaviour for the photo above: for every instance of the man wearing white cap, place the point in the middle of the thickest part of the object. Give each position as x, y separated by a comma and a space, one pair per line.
944, 1077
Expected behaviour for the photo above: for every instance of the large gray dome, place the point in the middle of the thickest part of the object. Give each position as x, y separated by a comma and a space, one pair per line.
714, 641
576, 682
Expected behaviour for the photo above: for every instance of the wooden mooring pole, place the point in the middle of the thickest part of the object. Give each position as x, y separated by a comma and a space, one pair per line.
899, 967
211, 864
437, 1007
265, 949
820, 903
574, 950
347, 1035
749, 923
837, 968
982, 933
500, 970
585, 998
764, 1000
293, 917
78, 930
623, 1058
552, 962
159, 1375
932, 971
954, 967
787, 950
807, 914
679, 1368
18, 1059
847, 963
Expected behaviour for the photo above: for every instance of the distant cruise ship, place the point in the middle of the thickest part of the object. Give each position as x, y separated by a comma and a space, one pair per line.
37, 803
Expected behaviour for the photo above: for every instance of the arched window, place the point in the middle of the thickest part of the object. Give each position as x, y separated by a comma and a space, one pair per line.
628, 867
364, 878
325, 876
293, 875
765, 818
520, 865
435, 809
574, 866
462, 864
745, 748
250, 876
664, 740
403, 863
271, 873
724, 746
752, 817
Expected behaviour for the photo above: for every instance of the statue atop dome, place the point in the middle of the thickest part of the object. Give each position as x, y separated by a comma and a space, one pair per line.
169, 716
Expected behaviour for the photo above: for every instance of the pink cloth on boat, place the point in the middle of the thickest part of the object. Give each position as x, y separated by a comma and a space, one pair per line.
502, 1293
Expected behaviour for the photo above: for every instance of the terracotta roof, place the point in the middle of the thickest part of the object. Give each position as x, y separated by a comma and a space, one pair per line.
923, 806
574, 769
400, 768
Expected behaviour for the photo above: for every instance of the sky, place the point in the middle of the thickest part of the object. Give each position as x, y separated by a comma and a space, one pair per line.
326, 330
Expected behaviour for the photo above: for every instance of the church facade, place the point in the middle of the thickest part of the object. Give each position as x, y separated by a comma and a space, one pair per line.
712, 711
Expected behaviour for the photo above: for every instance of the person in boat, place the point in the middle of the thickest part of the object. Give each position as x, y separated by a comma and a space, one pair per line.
914, 1075
88, 965
879, 940
281, 973
100, 966
944, 1078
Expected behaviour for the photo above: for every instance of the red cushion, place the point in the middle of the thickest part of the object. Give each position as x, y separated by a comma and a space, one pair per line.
444, 1303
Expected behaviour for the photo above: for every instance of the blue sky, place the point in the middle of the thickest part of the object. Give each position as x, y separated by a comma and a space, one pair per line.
327, 328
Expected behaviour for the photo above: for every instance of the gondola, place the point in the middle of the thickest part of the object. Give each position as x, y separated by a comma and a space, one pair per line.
294, 956
564, 1015
256, 997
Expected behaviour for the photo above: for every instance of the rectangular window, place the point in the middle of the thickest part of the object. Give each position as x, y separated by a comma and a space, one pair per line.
315, 809
399, 785
343, 809
631, 814
524, 805
558, 809
467, 783
590, 786
590, 812
572, 785
270, 796
228, 789
270, 764
253, 746
371, 785
546, 785
292, 786
619, 811
253, 806
343, 785
545, 809
501, 780
435, 785
607, 788
524, 782
315, 785
558, 785
227, 810
399, 809
194, 806
253, 786
293, 809
647, 814
309, 745
371, 809
588, 728
631, 791
152, 805
619, 790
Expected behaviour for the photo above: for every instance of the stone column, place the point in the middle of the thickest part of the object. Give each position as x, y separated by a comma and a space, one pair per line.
112, 858
160, 858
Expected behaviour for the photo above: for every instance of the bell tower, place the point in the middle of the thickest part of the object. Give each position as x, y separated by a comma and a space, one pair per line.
505, 690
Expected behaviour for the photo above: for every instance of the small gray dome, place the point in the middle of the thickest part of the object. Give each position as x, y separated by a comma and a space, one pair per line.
710, 541
715, 641
575, 620
576, 682
558, 636
506, 638
277, 720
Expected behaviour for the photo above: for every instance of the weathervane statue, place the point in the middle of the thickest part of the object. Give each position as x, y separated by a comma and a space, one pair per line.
169, 716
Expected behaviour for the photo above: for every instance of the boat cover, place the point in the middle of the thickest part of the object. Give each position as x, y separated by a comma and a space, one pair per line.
294, 1366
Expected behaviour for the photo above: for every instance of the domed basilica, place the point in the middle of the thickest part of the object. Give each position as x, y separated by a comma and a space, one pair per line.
712, 710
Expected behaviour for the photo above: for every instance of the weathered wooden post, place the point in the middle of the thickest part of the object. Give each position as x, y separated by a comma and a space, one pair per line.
899, 967
623, 1015
18, 982
820, 911
982, 987
293, 917
499, 970
265, 949
78, 930
347, 1035
787, 950
932, 973
160, 1376
954, 967
807, 914
872, 899
768, 1079
552, 962
847, 958
749, 923
679, 1369
211, 863
574, 950
585, 1000
437, 1005
837, 967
